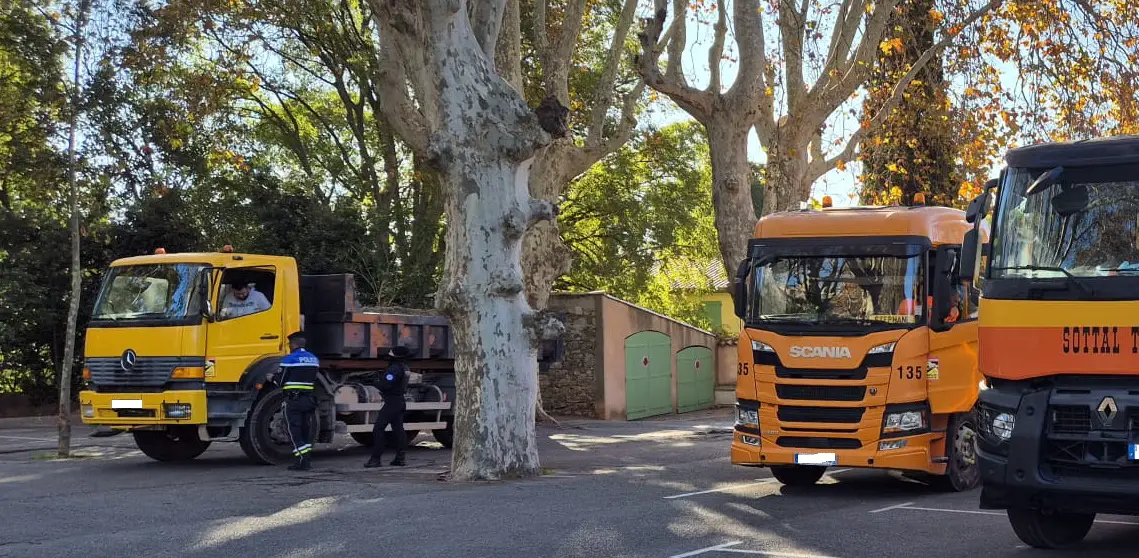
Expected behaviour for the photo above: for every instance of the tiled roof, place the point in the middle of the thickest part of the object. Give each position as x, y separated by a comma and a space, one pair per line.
695, 275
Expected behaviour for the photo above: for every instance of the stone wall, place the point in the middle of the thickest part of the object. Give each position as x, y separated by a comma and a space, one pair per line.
571, 387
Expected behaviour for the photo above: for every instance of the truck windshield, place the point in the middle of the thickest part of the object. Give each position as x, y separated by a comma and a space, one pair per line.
1034, 241
880, 291
149, 292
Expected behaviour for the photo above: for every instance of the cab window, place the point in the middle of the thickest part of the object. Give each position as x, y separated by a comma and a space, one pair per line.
245, 292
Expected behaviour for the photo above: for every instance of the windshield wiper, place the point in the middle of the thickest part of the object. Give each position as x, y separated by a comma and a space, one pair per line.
848, 320
1070, 279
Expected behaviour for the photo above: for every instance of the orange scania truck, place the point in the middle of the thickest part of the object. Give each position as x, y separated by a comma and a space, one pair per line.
1058, 420
859, 345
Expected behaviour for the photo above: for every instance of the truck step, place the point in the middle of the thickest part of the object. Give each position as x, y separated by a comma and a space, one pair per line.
940, 460
416, 406
342, 428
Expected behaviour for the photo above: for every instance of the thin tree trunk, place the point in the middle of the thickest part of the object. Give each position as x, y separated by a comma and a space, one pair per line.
68, 363
731, 189
786, 181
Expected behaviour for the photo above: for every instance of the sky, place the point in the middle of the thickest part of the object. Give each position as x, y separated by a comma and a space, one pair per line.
841, 185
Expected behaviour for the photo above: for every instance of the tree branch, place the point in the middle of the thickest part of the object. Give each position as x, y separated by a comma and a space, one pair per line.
716, 52
603, 91
792, 25
694, 101
486, 21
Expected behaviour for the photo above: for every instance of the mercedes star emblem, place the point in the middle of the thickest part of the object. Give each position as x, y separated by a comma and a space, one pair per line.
128, 359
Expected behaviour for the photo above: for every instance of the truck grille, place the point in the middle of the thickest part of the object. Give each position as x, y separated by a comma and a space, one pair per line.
1079, 443
821, 414
1070, 419
821, 393
817, 443
148, 372
821, 373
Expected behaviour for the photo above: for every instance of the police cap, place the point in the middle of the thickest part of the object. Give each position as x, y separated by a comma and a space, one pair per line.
297, 336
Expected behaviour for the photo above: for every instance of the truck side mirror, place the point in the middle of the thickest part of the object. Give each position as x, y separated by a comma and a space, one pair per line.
740, 294
942, 286
205, 306
971, 255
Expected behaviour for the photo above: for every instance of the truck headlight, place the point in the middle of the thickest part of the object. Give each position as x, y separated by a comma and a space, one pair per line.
177, 410
88, 411
904, 421
883, 348
762, 347
747, 413
1003, 424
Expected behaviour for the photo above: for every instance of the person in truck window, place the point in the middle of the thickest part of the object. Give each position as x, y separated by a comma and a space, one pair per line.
243, 300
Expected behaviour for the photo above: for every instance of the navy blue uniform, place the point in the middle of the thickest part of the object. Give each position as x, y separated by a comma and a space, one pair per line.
298, 378
392, 384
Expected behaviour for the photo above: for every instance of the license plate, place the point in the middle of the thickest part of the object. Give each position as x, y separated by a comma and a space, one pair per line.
816, 459
126, 403
1133, 452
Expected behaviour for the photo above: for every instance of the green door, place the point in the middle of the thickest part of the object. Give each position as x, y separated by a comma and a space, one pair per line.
695, 380
648, 375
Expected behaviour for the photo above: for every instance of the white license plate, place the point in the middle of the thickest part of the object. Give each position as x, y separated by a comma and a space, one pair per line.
126, 403
816, 459
1133, 452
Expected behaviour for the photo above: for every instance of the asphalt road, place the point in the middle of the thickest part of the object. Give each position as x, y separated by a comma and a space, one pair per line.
659, 489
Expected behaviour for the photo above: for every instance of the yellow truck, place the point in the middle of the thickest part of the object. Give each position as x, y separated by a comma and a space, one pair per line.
178, 358
1058, 420
859, 345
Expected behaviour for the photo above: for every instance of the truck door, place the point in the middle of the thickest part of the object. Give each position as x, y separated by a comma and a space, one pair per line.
247, 324
952, 374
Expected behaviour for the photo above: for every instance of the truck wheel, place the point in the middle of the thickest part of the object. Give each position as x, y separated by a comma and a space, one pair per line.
446, 436
181, 444
265, 436
798, 475
1049, 530
962, 473
364, 439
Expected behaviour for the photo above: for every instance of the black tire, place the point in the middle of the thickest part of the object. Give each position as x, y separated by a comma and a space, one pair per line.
181, 444
798, 475
265, 436
445, 436
1050, 530
962, 473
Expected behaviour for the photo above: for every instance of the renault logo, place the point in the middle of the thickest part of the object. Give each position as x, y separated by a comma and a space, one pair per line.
128, 359
1107, 409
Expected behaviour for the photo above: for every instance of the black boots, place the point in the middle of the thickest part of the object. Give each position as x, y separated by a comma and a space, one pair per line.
302, 464
374, 462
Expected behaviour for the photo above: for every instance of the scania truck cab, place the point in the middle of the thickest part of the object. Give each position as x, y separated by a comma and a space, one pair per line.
859, 345
1058, 437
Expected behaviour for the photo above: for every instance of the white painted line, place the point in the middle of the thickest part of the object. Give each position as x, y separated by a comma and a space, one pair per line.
837, 471
706, 550
902, 505
26, 438
721, 489
774, 554
980, 512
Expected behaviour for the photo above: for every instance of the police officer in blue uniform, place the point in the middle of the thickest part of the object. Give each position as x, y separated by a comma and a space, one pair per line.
392, 384
298, 379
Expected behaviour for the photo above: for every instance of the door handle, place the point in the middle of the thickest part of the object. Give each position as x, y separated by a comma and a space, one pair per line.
269, 336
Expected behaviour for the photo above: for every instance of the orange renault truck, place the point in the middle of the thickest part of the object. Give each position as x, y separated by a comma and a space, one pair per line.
169, 360
859, 345
1058, 420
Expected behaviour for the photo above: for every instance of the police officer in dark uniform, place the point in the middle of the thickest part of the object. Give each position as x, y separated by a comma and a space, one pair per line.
392, 384
298, 380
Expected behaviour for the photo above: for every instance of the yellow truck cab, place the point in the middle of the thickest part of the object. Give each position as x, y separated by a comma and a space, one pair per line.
859, 345
174, 357
1058, 420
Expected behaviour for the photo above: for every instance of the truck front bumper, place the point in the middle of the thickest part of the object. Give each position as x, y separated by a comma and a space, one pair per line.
143, 409
751, 449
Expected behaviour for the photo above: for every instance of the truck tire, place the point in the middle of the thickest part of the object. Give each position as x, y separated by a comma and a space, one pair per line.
175, 444
265, 436
367, 440
798, 475
962, 472
446, 436
1049, 530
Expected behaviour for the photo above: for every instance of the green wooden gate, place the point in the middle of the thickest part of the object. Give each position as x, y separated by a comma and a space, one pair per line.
648, 375
695, 380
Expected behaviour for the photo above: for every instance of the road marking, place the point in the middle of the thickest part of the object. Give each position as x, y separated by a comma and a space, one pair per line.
26, 438
721, 489
706, 550
907, 506
902, 505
